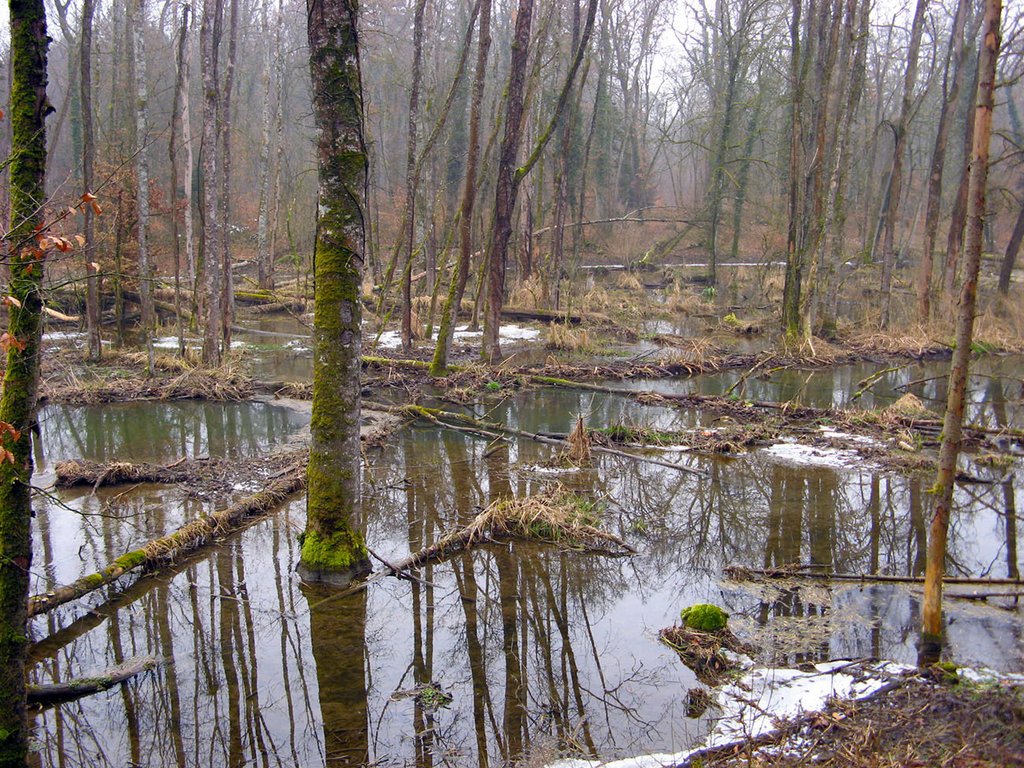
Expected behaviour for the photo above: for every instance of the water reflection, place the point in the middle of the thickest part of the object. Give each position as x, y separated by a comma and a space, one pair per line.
542, 651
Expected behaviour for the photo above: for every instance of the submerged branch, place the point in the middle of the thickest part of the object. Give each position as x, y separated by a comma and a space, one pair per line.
190, 536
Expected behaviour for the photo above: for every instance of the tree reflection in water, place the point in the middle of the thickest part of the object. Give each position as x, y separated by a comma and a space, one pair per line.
542, 650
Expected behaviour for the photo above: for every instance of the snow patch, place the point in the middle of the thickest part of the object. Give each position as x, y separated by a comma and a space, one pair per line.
393, 339
811, 456
754, 704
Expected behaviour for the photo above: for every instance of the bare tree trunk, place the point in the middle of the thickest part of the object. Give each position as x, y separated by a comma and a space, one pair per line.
92, 288
506, 187
931, 611
264, 257
1010, 257
411, 177
142, 179
958, 214
211, 226
186, 140
958, 47
172, 150
460, 275
224, 131
794, 254
510, 178
899, 150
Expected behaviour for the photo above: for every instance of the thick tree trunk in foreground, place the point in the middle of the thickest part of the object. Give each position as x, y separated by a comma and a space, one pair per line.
29, 108
931, 625
332, 548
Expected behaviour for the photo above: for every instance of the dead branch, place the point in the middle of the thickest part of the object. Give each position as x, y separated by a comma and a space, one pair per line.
189, 537
58, 693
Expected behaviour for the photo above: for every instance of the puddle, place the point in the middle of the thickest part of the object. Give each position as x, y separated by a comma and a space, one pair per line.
543, 652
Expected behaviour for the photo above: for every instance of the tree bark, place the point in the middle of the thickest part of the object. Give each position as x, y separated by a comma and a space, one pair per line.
460, 274
142, 178
931, 611
1010, 257
264, 255
224, 117
211, 231
332, 547
92, 288
958, 46
505, 186
899, 150
172, 150
411, 177
29, 108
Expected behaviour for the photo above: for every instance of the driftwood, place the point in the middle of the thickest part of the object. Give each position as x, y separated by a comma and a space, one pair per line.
463, 423
57, 693
80, 472
190, 536
741, 573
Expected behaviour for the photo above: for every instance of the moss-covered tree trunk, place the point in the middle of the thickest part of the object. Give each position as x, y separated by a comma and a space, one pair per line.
931, 611
332, 549
29, 108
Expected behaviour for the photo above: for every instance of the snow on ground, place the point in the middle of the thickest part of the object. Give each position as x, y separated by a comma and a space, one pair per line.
393, 339
754, 704
809, 455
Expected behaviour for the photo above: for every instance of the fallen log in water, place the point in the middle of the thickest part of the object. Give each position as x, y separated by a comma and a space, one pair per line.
190, 536
58, 693
555, 517
81, 472
742, 573
493, 430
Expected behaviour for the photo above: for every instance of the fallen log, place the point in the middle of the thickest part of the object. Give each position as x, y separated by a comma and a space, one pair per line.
79, 472
742, 573
493, 430
189, 537
553, 517
58, 693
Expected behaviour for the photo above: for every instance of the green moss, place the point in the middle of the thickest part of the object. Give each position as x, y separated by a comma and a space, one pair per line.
704, 617
338, 552
130, 560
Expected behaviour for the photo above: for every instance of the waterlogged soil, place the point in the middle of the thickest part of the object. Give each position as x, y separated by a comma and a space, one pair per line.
543, 651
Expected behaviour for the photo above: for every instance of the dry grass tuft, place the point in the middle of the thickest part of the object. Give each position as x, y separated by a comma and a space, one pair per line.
556, 516
627, 281
568, 339
528, 294
579, 444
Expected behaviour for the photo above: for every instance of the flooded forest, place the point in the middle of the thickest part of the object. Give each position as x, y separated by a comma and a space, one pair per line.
540, 383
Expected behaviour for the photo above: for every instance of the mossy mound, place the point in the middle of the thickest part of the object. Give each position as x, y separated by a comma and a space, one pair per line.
704, 617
